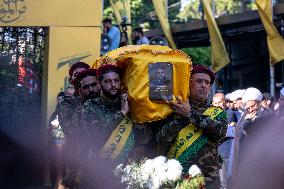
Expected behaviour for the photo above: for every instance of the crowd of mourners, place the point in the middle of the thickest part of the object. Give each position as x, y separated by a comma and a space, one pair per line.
82, 126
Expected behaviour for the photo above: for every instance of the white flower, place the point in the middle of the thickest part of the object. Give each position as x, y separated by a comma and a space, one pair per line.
161, 175
160, 163
55, 122
154, 183
127, 169
145, 177
174, 170
161, 167
160, 160
173, 175
194, 170
118, 169
174, 164
148, 167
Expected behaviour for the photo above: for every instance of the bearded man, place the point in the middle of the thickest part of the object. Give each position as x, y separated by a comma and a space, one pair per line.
252, 101
67, 106
87, 84
193, 135
105, 120
87, 87
252, 116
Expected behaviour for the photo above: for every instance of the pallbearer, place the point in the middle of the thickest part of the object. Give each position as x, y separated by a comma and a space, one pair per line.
194, 133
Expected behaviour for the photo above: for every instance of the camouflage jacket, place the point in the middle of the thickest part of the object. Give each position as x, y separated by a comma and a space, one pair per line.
65, 112
214, 130
99, 119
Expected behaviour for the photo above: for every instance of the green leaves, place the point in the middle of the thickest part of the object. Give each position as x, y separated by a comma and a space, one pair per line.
199, 55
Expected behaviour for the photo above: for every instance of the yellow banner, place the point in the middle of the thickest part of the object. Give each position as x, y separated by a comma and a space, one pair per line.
219, 54
118, 139
50, 12
189, 134
275, 41
161, 11
185, 138
66, 46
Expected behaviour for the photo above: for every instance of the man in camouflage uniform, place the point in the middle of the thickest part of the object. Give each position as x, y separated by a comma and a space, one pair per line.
102, 115
204, 150
99, 119
87, 87
67, 106
64, 113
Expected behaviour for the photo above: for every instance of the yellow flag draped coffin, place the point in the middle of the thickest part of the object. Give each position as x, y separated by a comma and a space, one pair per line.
141, 64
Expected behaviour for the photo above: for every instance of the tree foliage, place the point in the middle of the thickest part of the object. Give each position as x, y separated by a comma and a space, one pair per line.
220, 8
27, 42
143, 12
199, 55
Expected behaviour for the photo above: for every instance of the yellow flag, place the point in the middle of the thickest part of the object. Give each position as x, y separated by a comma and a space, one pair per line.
160, 8
121, 8
275, 41
219, 54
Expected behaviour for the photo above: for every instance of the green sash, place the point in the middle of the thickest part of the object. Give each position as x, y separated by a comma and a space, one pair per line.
191, 139
120, 142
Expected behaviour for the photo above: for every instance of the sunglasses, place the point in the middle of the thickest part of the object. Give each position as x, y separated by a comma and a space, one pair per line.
94, 84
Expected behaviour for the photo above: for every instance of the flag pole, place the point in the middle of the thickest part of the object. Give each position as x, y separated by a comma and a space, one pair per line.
282, 64
272, 70
272, 80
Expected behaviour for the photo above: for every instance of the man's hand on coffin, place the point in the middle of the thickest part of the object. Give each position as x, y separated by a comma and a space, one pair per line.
124, 104
181, 108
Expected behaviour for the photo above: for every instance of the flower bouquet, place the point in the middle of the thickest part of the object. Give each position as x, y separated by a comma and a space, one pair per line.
160, 173
56, 129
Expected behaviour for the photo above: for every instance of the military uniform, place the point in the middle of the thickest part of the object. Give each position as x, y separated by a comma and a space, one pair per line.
204, 155
100, 117
65, 112
68, 110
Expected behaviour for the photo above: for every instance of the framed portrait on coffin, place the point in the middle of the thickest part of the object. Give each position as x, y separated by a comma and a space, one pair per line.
160, 81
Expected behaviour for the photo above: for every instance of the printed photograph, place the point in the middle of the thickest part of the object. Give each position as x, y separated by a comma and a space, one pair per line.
161, 77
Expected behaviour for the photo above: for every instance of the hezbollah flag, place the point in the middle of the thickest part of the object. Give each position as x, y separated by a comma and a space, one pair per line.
161, 10
121, 8
275, 41
219, 54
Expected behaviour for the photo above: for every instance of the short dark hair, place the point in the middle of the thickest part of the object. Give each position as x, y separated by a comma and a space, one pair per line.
106, 69
107, 20
82, 75
76, 66
60, 94
267, 96
139, 30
